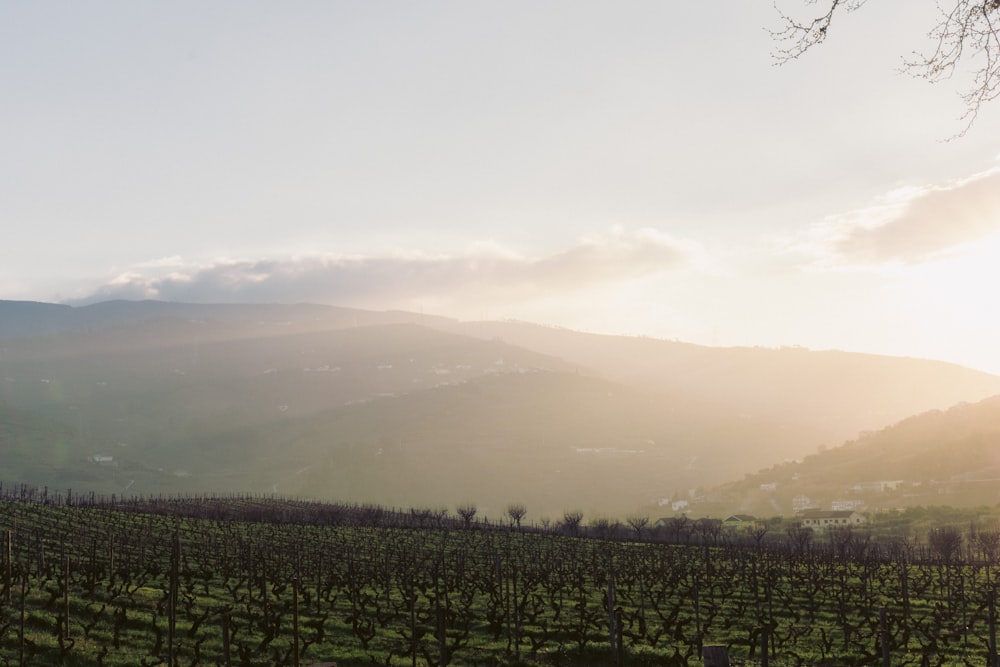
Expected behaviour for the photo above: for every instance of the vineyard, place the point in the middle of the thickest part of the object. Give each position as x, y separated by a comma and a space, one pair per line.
243, 581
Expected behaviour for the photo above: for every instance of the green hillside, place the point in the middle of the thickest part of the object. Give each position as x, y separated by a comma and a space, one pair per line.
405, 409
550, 440
183, 405
35, 448
949, 457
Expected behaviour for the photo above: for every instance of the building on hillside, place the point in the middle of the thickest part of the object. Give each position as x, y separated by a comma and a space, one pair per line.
830, 518
739, 522
841, 504
801, 503
881, 486
675, 505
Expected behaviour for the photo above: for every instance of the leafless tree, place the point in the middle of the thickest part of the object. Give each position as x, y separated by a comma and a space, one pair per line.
638, 523
758, 530
967, 31
516, 512
604, 528
678, 528
571, 521
988, 542
945, 542
439, 516
841, 540
421, 515
801, 538
467, 512
710, 530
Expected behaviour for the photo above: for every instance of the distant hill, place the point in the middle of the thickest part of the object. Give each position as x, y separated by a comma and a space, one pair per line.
147, 380
24, 319
835, 394
36, 448
949, 457
181, 405
401, 408
552, 440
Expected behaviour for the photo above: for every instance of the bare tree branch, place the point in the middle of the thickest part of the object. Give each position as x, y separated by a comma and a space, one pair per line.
966, 33
799, 37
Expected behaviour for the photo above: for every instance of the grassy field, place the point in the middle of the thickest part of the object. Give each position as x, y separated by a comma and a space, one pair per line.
266, 582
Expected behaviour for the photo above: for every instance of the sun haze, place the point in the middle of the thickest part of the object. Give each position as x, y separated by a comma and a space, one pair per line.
638, 169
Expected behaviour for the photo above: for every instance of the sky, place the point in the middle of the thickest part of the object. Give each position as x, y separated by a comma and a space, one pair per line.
635, 167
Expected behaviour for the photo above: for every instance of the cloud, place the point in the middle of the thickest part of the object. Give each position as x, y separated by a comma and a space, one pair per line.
483, 272
911, 225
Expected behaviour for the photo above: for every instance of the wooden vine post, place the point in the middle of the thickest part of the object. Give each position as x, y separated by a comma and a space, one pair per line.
66, 600
612, 630
175, 557
295, 620
10, 566
24, 591
439, 628
111, 558
994, 662
226, 656
884, 636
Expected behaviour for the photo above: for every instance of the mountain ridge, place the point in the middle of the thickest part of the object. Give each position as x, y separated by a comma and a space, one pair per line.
184, 396
867, 391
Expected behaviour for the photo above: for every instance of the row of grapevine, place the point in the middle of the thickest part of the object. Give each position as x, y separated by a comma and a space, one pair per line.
130, 584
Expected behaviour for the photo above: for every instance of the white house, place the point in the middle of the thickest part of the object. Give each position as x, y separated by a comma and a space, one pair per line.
830, 518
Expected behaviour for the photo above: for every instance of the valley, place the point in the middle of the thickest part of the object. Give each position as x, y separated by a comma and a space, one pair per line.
402, 409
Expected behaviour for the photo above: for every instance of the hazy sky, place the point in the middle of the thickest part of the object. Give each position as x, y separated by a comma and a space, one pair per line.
624, 167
